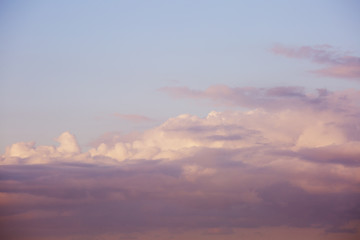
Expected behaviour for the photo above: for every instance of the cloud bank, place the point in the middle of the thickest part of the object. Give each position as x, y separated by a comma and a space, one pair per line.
339, 64
290, 163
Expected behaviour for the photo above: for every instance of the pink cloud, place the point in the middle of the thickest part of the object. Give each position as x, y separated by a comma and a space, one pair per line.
345, 153
339, 64
71, 200
341, 71
290, 162
277, 98
238, 96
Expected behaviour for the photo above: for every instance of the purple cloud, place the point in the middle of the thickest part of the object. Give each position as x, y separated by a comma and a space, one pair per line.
66, 201
288, 165
277, 98
339, 64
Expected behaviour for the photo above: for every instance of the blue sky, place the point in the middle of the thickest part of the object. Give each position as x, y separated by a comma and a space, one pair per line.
70, 65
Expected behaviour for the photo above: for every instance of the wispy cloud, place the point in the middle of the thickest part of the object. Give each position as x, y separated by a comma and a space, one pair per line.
339, 64
276, 98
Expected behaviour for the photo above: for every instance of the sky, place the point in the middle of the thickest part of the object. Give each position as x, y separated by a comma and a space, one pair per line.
179, 119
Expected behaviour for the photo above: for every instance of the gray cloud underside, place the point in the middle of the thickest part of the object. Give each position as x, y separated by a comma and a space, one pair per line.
145, 195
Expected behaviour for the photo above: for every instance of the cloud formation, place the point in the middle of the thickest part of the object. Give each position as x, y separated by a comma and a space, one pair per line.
272, 99
339, 64
291, 162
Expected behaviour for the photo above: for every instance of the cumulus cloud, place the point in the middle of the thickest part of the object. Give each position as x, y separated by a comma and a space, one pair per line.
339, 64
290, 162
68, 144
29, 153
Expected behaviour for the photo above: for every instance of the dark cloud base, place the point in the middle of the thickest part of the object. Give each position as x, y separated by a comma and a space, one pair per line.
63, 200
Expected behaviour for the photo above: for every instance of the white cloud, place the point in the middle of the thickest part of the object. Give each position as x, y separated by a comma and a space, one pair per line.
68, 144
318, 143
29, 153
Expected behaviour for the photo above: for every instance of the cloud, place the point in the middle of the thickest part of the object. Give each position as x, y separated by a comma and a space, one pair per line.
276, 98
144, 196
290, 162
344, 153
68, 144
239, 96
29, 153
339, 64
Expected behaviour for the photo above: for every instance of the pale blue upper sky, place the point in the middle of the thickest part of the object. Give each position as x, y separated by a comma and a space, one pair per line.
70, 65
